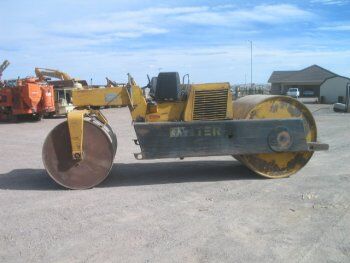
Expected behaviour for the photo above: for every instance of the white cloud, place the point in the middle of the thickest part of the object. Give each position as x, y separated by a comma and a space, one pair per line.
241, 17
153, 21
150, 21
330, 2
340, 27
116, 27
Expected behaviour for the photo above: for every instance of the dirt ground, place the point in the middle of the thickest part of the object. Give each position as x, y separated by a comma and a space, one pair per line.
195, 210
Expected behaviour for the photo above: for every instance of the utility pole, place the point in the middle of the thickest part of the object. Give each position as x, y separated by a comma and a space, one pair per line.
251, 64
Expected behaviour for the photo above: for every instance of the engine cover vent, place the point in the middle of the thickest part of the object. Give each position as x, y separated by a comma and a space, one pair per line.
210, 104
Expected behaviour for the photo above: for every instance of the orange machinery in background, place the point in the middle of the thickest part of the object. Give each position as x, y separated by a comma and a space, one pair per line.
28, 96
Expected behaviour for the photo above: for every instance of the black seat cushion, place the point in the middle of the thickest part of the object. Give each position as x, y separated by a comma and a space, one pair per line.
168, 86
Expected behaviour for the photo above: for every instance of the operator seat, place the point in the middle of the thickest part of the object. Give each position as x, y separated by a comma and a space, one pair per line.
167, 87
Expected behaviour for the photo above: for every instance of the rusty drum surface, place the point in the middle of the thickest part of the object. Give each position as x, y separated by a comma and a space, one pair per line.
99, 144
281, 164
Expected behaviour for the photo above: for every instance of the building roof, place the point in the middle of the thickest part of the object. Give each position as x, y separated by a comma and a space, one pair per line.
279, 76
313, 75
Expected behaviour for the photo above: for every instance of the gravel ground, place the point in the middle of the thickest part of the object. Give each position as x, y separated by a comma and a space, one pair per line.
195, 210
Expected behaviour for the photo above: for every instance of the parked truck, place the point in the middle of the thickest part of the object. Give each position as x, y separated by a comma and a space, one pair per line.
26, 97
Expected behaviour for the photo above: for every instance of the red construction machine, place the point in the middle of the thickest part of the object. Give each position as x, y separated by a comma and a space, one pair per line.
28, 96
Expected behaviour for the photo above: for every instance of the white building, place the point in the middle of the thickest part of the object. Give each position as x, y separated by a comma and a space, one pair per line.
333, 89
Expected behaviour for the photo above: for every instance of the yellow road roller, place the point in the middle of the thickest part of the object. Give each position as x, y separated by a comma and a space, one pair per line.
275, 136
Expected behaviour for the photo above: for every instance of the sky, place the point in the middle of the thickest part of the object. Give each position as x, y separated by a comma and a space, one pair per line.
210, 40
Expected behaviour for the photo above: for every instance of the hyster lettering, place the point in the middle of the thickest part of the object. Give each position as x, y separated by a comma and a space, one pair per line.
206, 131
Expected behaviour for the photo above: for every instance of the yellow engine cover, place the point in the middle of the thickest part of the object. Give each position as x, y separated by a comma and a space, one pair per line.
209, 102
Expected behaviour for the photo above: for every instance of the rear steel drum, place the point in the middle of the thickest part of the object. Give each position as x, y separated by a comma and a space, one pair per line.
99, 148
275, 165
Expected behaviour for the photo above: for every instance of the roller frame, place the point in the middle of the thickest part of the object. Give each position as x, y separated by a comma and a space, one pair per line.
219, 138
76, 129
202, 138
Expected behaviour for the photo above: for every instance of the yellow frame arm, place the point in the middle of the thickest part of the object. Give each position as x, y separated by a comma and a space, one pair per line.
76, 129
